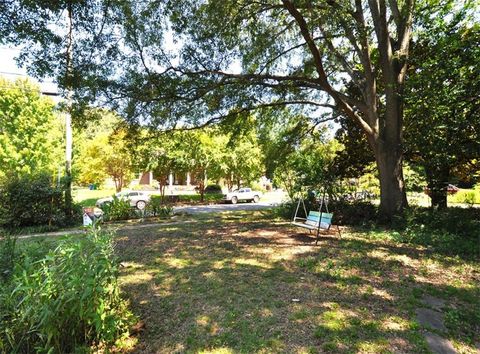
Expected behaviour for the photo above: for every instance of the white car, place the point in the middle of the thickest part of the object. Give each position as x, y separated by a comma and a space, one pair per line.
136, 198
242, 194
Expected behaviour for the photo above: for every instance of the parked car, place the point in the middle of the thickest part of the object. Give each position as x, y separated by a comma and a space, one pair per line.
242, 194
137, 199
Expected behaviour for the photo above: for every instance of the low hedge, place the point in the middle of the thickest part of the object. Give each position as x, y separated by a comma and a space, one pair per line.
453, 231
27, 201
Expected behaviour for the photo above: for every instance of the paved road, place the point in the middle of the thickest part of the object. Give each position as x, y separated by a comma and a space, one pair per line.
197, 209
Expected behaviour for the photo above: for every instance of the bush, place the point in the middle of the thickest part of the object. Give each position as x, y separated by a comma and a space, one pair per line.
466, 196
344, 213
213, 188
452, 231
118, 209
357, 213
33, 201
157, 208
66, 300
195, 198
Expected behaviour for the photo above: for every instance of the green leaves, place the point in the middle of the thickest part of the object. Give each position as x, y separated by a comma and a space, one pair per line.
68, 299
32, 201
441, 116
30, 131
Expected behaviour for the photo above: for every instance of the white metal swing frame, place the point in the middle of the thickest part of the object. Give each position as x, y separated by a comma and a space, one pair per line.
314, 221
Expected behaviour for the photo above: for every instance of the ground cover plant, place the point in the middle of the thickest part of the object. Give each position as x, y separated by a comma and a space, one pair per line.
61, 296
250, 283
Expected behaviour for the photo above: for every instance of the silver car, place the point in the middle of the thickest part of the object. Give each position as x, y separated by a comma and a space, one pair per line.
137, 199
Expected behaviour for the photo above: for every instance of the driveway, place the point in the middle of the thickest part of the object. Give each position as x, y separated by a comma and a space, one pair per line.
222, 207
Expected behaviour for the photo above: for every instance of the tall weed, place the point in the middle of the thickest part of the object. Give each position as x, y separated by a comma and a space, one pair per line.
67, 299
7, 256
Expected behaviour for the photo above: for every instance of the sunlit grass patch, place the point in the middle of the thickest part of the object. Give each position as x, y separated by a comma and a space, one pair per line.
242, 283
252, 262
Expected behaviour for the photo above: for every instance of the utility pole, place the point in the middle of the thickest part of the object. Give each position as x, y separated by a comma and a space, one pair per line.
68, 116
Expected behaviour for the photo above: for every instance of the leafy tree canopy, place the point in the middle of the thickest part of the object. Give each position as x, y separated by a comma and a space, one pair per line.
443, 105
103, 150
30, 131
184, 63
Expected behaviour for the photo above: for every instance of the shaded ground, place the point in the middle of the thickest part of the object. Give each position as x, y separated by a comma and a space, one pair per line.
243, 283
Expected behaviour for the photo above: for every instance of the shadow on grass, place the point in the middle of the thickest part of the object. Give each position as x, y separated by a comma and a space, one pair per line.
250, 286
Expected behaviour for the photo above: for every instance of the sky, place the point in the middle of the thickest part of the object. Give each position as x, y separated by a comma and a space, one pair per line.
10, 70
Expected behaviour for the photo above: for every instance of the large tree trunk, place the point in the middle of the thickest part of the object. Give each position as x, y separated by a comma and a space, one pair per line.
393, 198
438, 197
438, 187
387, 147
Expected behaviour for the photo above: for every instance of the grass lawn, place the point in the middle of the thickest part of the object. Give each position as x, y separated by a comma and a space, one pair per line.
243, 283
87, 198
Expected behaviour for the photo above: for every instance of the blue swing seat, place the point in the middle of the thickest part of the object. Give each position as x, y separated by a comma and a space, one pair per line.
314, 221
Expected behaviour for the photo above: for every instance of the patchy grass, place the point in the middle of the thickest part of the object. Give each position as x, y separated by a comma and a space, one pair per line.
245, 283
87, 198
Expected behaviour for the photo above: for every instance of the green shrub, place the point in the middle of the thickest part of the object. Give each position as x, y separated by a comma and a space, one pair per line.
157, 208
33, 201
213, 188
466, 196
470, 198
285, 210
452, 231
67, 300
358, 213
344, 213
195, 198
118, 209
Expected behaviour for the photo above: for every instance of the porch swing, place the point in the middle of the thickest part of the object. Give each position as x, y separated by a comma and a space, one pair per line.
315, 220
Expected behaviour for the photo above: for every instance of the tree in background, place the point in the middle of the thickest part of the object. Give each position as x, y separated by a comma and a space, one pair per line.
279, 133
291, 53
89, 151
202, 152
30, 131
160, 155
118, 159
310, 165
442, 125
354, 159
243, 158
103, 150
